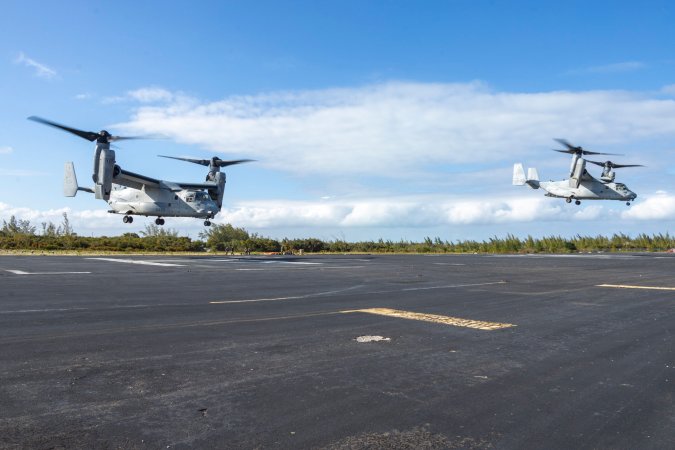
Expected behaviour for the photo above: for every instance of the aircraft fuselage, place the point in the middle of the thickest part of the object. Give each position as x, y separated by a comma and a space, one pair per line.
588, 190
162, 202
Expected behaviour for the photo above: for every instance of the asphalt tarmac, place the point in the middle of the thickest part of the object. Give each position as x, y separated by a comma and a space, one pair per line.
461, 351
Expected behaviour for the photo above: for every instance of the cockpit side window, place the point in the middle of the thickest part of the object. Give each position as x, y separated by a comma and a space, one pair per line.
190, 197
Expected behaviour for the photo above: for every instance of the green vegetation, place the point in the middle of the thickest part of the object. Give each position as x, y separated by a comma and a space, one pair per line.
21, 235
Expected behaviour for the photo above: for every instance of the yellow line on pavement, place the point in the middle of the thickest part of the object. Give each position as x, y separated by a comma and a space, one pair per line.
447, 320
627, 286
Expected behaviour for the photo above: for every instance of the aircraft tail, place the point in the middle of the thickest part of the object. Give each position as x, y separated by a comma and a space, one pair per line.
69, 180
519, 179
70, 186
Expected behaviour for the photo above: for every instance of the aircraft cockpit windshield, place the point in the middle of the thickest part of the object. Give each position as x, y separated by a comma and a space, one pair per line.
201, 196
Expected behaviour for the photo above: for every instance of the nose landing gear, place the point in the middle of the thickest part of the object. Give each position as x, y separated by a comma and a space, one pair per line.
207, 223
159, 221
127, 219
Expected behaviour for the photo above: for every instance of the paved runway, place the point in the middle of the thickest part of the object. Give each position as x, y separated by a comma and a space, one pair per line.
465, 351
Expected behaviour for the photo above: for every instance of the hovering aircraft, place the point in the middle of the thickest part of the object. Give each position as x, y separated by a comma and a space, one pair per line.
133, 194
580, 185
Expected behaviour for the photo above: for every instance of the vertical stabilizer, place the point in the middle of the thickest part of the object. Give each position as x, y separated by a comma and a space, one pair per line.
518, 175
532, 174
69, 180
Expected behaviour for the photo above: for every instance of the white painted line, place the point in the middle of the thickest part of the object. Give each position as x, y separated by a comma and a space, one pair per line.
339, 291
291, 262
449, 286
133, 261
271, 261
294, 297
321, 268
21, 272
626, 286
22, 311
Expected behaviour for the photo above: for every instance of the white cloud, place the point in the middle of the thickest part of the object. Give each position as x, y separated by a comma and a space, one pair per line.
626, 66
83, 96
150, 95
669, 89
403, 212
660, 206
375, 213
6, 150
394, 129
41, 70
146, 95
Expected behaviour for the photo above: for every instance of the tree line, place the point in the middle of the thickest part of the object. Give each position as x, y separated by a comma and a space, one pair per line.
18, 234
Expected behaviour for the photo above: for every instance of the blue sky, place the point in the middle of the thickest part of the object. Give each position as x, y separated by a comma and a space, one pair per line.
371, 119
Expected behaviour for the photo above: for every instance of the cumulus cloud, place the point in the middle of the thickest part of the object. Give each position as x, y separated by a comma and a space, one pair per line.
406, 212
376, 213
660, 206
626, 66
395, 128
150, 95
40, 69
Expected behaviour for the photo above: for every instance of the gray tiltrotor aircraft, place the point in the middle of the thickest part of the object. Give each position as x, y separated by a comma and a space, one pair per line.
132, 194
580, 185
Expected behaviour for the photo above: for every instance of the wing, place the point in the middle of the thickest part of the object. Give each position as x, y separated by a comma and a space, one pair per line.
137, 181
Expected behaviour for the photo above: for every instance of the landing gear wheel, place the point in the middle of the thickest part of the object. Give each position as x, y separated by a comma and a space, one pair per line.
159, 221
127, 219
207, 223
578, 202
627, 203
568, 199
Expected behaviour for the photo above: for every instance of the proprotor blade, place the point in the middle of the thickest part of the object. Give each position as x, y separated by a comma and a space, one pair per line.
586, 152
88, 135
207, 162
102, 136
572, 149
567, 144
203, 162
612, 165
223, 163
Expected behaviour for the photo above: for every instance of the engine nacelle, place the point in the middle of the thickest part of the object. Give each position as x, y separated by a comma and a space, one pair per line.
217, 195
104, 173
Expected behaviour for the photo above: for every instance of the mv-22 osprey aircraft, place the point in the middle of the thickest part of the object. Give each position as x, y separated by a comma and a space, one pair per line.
580, 185
132, 194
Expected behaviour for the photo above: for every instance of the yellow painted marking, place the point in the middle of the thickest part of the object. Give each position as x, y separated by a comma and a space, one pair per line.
447, 320
627, 286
